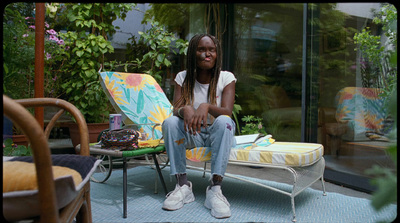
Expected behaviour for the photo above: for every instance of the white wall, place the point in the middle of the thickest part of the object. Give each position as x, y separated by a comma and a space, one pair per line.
358, 9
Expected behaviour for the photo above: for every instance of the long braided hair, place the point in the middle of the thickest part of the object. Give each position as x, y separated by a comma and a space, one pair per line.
187, 94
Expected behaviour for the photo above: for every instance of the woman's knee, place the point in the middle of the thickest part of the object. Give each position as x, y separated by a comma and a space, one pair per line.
223, 118
170, 122
224, 121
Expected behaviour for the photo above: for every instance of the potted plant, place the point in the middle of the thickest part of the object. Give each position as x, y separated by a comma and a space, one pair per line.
10, 148
90, 24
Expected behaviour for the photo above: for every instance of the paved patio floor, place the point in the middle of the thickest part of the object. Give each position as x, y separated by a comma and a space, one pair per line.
278, 175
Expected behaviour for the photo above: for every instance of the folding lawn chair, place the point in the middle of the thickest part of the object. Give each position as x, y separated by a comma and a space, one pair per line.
143, 106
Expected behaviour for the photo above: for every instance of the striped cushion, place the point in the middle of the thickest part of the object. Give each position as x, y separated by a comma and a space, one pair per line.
293, 154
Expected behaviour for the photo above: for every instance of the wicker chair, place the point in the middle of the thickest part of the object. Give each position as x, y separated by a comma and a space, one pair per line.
78, 208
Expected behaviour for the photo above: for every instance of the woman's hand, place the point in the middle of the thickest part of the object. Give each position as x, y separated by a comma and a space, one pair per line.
187, 113
194, 119
199, 118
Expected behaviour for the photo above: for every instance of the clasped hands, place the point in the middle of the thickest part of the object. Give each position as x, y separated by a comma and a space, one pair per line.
194, 119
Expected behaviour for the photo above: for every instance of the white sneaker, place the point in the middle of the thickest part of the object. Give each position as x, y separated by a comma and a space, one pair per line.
217, 202
178, 197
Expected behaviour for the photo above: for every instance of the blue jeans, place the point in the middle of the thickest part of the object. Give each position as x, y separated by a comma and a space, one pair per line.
219, 136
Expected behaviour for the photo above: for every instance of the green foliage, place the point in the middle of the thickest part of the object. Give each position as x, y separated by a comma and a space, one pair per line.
376, 52
235, 112
151, 53
385, 179
160, 43
81, 79
134, 52
18, 52
388, 18
385, 196
386, 183
370, 45
97, 17
11, 149
253, 125
82, 86
173, 16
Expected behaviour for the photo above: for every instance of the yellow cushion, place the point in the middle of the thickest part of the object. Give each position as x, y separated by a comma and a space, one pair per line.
199, 154
293, 154
149, 143
18, 176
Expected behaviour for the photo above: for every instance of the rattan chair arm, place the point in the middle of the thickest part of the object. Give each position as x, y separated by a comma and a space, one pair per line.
52, 122
62, 104
41, 156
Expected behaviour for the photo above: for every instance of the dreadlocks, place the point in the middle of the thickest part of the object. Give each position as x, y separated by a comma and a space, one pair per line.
191, 72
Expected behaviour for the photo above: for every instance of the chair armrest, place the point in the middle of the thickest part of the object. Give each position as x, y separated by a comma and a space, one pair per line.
63, 106
41, 155
326, 115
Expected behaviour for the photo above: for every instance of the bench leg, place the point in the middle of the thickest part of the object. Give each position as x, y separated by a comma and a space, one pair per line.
322, 175
205, 168
323, 186
293, 209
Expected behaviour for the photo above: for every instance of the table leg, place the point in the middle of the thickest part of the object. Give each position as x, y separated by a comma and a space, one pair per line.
125, 181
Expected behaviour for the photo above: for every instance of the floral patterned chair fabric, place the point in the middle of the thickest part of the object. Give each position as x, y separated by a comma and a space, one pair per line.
138, 98
364, 112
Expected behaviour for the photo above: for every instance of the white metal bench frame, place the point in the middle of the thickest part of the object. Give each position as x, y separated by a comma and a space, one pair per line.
303, 177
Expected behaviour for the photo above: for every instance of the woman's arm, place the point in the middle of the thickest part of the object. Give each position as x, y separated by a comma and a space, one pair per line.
184, 112
177, 95
227, 101
194, 119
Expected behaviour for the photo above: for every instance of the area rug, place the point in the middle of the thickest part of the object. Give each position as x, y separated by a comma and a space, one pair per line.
249, 202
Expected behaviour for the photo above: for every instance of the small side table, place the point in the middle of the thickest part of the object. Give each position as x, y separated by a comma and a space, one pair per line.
95, 149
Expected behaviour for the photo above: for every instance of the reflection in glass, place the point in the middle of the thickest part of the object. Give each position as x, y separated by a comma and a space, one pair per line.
268, 65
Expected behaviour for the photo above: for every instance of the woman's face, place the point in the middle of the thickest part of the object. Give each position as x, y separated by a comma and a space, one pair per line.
206, 54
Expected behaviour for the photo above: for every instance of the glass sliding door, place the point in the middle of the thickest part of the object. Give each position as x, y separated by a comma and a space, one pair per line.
352, 111
268, 65
298, 71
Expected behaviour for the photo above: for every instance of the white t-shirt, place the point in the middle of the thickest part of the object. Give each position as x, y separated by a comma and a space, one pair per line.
201, 90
